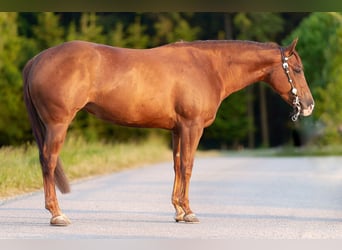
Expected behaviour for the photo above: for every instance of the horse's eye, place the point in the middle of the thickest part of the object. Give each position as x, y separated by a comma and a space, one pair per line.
297, 70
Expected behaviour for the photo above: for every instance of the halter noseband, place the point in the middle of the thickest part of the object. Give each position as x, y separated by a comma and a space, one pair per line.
295, 103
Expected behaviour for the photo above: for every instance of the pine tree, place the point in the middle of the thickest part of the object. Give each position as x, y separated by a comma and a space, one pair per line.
172, 27
320, 48
48, 32
12, 110
330, 107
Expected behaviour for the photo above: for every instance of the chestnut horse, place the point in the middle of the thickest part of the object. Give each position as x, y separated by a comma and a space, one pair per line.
177, 87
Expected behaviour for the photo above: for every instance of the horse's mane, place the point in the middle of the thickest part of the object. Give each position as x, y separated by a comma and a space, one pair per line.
210, 43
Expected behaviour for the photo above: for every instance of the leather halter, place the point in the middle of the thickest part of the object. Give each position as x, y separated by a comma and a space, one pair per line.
295, 103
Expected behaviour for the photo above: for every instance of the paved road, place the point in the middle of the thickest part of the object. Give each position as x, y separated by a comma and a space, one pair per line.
234, 197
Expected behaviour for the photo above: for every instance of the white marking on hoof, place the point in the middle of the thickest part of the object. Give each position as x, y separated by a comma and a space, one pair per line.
179, 217
191, 218
60, 220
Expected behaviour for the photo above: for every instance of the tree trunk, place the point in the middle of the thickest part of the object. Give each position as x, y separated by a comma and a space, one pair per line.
263, 114
228, 25
250, 114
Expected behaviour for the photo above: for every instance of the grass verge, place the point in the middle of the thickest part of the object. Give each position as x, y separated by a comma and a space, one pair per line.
287, 151
20, 169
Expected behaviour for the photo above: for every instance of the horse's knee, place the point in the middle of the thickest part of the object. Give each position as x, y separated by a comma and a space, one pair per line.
50, 204
175, 201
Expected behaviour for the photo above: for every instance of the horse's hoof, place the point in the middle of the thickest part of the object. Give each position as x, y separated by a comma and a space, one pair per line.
191, 218
179, 217
60, 220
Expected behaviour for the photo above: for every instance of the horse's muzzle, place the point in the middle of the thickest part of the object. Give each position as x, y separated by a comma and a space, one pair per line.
308, 110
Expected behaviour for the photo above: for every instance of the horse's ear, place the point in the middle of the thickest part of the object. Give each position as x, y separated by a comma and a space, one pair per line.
289, 49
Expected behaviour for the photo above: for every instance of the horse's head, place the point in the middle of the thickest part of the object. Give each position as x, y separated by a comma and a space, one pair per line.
287, 78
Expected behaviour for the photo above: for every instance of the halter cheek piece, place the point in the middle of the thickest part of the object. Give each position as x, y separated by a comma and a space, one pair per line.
295, 103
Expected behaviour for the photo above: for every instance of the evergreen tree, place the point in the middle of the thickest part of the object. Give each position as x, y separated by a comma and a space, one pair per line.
48, 32
319, 40
12, 110
172, 27
117, 36
314, 32
330, 95
88, 29
136, 37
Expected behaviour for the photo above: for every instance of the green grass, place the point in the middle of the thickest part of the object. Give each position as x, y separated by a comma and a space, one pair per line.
308, 151
314, 150
20, 170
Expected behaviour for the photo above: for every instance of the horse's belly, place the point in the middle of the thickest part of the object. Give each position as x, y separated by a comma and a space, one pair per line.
133, 115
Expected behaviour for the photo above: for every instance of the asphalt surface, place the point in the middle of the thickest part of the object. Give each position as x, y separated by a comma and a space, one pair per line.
234, 198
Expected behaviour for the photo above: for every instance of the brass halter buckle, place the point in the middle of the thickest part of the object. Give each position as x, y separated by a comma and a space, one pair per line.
295, 103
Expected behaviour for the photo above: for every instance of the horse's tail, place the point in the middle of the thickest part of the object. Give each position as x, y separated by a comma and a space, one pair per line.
39, 132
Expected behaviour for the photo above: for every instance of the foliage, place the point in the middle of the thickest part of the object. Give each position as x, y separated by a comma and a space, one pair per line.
262, 27
12, 110
26, 34
320, 48
258, 26
229, 131
87, 29
330, 108
48, 31
313, 33
171, 27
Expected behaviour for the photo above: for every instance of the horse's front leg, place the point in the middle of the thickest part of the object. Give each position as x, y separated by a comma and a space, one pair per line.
188, 143
179, 216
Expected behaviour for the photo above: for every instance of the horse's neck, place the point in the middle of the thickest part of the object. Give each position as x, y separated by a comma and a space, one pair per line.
241, 67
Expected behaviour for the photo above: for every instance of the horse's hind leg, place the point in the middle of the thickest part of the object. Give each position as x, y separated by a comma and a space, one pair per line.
55, 136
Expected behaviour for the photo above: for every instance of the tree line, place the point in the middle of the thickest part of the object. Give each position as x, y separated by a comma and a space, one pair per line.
252, 117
